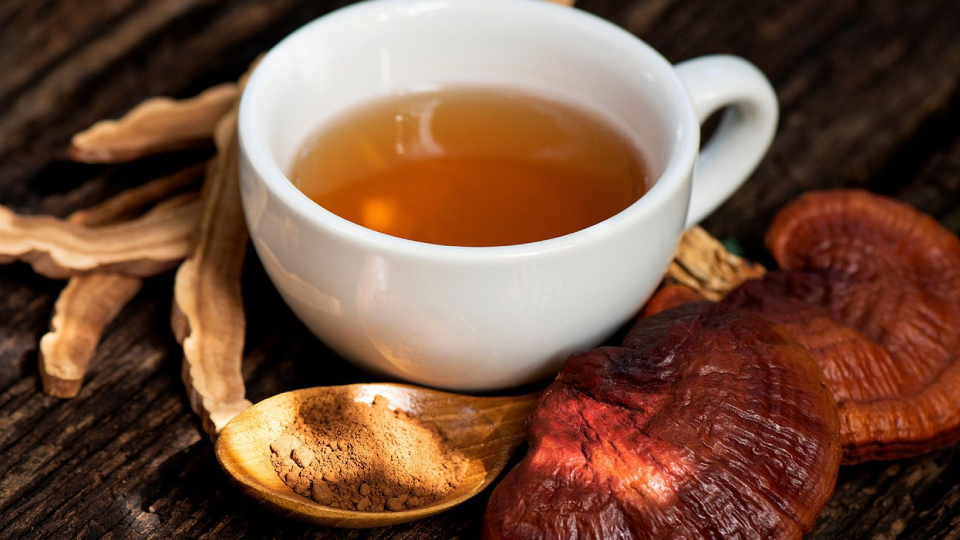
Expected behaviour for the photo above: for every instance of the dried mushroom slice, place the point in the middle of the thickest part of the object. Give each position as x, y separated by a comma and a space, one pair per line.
91, 301
207, 317
83, 310
872, 288
127, 204
59, 249
157, 125
705, 266
716, 423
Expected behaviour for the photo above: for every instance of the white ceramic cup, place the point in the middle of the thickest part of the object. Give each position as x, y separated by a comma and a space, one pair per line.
472, 318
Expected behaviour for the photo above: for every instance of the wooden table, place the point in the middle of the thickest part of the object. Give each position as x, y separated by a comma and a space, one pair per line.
870, 94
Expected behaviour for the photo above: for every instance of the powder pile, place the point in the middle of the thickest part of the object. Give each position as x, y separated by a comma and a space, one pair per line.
365, 457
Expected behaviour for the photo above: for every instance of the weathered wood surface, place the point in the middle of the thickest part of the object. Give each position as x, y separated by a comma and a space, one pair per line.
870, 92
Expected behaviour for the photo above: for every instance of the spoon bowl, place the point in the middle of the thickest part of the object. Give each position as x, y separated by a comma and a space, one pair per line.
486, 430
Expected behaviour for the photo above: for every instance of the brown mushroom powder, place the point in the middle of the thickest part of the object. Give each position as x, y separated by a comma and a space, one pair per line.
365, 457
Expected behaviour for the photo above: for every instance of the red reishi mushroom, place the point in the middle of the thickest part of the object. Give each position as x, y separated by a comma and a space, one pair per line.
872, 287
714, 423
669, 296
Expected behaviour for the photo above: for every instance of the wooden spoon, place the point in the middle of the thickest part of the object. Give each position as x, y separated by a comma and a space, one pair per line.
485, 429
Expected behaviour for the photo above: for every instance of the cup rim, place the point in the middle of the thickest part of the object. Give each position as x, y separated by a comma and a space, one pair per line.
253, 143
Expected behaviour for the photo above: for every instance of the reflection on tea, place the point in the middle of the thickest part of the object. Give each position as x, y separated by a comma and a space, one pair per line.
471, 166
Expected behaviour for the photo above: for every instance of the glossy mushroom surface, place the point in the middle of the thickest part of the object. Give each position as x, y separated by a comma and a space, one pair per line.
667, 297
872, 288
710, 422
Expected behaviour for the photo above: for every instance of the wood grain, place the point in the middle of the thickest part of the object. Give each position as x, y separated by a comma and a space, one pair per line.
870, 94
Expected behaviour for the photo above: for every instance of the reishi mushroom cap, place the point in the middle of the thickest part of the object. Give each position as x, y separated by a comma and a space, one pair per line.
710, 422
872, 287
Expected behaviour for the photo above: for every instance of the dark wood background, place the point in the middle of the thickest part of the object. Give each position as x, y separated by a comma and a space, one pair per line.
870, 97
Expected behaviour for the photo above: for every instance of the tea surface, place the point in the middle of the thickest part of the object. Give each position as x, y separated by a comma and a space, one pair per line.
470, 167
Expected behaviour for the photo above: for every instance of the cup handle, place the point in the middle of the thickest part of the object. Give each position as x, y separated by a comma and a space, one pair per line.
745, 131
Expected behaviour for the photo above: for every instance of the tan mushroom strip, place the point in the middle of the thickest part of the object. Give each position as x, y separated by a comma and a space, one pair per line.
157, 125
84, 308
128, 203
58, 249
704, 265
208, 318
89, 302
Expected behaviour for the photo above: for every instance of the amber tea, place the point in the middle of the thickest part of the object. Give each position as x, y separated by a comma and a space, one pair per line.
471, 167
